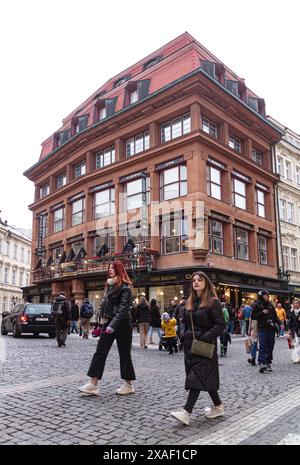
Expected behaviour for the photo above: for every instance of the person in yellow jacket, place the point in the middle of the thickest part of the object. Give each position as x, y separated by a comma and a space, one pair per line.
168, 324
282, 317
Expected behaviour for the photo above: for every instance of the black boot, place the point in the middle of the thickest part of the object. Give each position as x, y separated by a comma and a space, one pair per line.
252, 361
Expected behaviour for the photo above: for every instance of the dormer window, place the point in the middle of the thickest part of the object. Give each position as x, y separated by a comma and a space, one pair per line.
121, 81
209, 67
233, 87
62, 137
133, 96
81, 123
104, 108
253, 103
102, 113
152, 62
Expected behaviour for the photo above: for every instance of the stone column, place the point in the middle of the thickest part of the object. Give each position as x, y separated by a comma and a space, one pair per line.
154, 134
196, 117
119, 149
90, 161
224, 132
78, 290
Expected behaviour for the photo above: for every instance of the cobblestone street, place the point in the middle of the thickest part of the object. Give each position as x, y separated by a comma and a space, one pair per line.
40, 403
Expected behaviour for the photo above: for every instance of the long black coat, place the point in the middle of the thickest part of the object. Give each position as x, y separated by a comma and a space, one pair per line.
155, 317
116, 305
202, 373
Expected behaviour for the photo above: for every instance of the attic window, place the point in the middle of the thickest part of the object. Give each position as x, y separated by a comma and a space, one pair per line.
152, 62
253, 103
232, 86
209, 67
120, 81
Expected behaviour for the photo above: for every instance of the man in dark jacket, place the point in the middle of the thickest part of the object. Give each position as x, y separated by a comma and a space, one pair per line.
264, 312
61, 310
172, 308
74, 317
86, 313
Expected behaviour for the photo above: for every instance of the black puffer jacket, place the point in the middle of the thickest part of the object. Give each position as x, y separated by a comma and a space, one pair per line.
116, 305
294, 323
143, 314
155, 317
202, 373
265, 321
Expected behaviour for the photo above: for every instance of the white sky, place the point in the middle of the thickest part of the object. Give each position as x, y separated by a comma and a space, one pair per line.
55, 53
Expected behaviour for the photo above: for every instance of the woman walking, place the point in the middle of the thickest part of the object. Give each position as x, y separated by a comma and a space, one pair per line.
202, 316
155, 321
143, 317
116, 324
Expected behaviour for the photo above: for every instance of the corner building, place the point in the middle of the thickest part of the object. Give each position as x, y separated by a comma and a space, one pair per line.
178, 125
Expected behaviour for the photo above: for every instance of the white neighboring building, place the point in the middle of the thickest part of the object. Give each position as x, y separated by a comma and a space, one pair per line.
15, 259
287, 153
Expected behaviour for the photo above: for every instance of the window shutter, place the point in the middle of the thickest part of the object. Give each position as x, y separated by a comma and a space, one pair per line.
110, 105
143, 88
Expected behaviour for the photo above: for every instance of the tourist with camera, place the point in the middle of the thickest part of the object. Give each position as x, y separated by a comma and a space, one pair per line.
264, 312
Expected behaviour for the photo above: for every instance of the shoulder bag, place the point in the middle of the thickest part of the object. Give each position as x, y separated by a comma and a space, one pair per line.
201, 348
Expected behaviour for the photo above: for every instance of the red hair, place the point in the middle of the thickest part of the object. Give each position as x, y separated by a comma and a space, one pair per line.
121, 274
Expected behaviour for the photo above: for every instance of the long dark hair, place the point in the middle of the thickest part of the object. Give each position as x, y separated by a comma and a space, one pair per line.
208, 294
121, 273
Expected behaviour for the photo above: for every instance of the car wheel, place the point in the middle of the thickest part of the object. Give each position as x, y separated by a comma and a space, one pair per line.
51, 335
3, 331
16, 331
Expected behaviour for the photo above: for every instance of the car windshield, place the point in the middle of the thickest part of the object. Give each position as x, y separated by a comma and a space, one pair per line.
36, 309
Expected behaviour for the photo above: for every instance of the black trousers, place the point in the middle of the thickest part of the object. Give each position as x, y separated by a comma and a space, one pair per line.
193, 397
61, 330
172, 344
123, 336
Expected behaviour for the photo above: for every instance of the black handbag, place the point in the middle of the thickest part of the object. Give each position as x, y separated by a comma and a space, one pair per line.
201, 348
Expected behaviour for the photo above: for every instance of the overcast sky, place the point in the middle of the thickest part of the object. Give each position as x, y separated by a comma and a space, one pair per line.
55, 53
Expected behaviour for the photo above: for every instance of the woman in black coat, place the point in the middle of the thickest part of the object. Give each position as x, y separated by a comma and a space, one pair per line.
202, 374
115, 319
155, 320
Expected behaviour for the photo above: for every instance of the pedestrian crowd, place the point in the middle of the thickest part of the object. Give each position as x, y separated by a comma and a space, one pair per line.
199, 324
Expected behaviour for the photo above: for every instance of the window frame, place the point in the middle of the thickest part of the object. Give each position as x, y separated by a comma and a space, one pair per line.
237, 243
262, 251
111, 203
42, 190
169, 124
181, 182
236, 142
210, 182
100, 157
234, 193
213, 128
259, 204
257, 155
59, 220
80, 169
63, 177
136, 194
181, 237
212, 237
144, 136
79, 212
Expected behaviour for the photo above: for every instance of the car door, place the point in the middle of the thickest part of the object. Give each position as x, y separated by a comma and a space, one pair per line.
14, 314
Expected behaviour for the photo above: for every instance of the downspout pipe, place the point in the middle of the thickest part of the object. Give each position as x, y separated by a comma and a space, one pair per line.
277, 215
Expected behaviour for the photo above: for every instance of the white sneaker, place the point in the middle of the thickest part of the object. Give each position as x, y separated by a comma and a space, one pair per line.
89, 388
215, 412
182, 415
125, 389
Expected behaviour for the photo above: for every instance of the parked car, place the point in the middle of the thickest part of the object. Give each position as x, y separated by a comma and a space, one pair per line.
28, 318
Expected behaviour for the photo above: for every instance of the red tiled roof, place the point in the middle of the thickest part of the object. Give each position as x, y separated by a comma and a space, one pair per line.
180, 57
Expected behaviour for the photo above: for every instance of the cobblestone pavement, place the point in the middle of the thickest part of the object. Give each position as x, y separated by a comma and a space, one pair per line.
40, 403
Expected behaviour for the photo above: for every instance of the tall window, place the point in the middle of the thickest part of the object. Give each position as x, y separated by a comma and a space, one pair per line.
80, 169
137, 144
210, 127
6, 274
235, 143
58, 220
81, 123
78, 212
15, 251
280, 169
61, 180
134, 194
102, 113
44, 190
215, 236
286, 260
282, 209
288, 170
176, 128
239, 193
173, 183
241, 248
290, 213
21, 279
213, 178
298, 175
8, 248
57, 253
104, 203
262, 250
22, 253
107, 239
14, 277
294, 259
257, 156
174, 235
135, 232
260, 203
105, 157
28, 257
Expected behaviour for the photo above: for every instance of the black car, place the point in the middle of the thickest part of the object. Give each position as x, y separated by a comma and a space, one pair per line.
28, 318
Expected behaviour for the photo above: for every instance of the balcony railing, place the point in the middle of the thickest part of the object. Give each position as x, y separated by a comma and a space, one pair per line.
140, 261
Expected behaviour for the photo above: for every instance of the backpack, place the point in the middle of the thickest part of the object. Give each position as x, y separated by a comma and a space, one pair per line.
87, 311
240, 315
58, 309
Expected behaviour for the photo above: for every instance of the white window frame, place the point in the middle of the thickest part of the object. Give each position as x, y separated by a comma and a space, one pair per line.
282, 209
260, 203
290, 216
237, 243
294, 259
137, 144
235, 143
110, 203
105, 157
102, 113
137, 194
181, 182
237, 195
58, 221
213, 236
80, 169
44, 191
78, 213
210, 127
262, 252
280, 167
133, 96
175, 128
288, 170
214, 186
61, 180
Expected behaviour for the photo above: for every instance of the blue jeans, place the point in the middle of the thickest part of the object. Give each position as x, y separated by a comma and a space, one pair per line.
243, 327
74, 327
230, 326
266, 346
150, 332
281, 331
253, 350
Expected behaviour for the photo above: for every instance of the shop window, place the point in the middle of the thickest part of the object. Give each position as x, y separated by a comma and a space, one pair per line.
173, 182
215, 236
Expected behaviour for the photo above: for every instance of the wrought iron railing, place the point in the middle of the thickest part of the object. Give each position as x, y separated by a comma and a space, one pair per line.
131, 261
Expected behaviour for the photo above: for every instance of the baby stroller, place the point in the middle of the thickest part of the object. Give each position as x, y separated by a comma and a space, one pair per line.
163, 343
